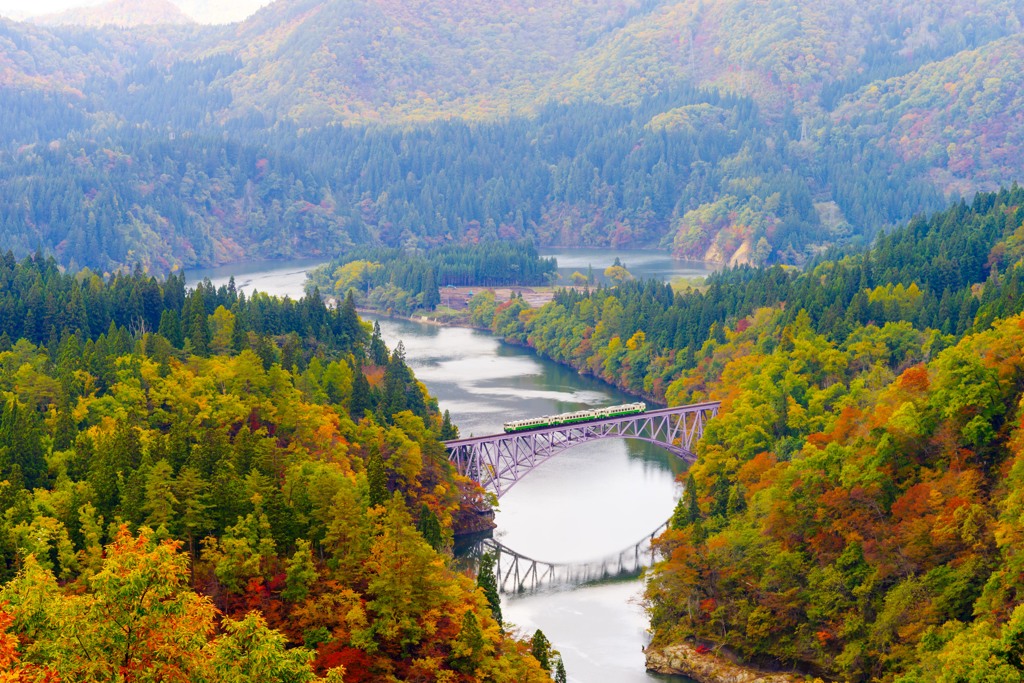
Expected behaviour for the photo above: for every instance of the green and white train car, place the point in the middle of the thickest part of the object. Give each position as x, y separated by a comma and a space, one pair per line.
574, 418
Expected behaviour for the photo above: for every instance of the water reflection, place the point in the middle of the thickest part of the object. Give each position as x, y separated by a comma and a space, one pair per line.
520, 574
642, 263
277, 278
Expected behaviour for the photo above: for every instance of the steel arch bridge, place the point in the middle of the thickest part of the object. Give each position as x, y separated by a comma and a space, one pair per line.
499, 461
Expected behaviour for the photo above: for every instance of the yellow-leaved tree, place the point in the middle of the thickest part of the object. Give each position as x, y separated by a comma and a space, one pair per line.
136, 619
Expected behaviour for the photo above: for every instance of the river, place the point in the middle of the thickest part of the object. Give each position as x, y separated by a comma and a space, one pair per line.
641, 263
585, 504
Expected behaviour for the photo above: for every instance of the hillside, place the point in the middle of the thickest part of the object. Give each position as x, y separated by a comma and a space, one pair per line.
220, 11
854, 509
802, 54
241, 489
958, 120
120, 13
392, 61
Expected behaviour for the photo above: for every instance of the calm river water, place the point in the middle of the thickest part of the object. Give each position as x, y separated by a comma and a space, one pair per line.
589, 502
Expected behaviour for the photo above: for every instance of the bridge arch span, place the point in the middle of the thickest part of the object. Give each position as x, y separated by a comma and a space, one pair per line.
499, 461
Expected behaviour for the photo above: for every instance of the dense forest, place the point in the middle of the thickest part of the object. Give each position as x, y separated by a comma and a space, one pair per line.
694, 171
854, 507
737, 132
400, 281
199, 485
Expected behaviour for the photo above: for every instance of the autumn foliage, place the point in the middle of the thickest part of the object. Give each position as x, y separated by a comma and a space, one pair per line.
215, 506
863, 521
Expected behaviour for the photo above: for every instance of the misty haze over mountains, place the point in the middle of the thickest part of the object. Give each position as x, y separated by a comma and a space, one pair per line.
97, 12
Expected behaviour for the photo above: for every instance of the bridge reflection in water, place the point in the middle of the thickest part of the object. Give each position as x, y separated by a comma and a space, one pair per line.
519, 574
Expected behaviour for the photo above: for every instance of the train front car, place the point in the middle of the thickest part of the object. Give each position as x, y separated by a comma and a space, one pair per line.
574, 417
525, 425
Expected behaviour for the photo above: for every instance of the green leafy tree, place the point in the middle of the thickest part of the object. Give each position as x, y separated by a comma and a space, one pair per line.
250, 651
161, 503
404, 580
301, 573
347, 537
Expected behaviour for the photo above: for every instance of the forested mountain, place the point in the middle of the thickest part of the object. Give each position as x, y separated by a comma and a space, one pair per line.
803, 54
395, 61
957, 120
734, 131
196, 485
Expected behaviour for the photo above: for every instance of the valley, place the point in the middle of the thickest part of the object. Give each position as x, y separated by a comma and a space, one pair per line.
804, 212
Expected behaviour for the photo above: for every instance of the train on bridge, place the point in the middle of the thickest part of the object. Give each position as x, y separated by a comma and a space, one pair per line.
573, 418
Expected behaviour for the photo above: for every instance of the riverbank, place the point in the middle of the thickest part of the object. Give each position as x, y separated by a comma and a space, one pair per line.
708, 665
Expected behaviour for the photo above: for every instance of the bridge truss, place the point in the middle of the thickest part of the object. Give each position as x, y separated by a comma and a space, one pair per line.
499, 461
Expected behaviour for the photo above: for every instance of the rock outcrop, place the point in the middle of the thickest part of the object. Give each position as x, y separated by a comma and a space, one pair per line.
689, 659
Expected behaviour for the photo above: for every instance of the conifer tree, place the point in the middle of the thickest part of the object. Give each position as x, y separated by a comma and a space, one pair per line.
488, 581
160, 503
378, 349
540, 648
430, 527
468, 645
448, 430
197, 328
362, 397
377, 478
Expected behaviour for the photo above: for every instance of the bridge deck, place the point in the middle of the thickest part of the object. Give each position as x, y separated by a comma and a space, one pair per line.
546, 430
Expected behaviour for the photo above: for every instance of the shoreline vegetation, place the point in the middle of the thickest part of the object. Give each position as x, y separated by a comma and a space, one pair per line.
494, 287
855, 508
465, 320
708, 664
270, 473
